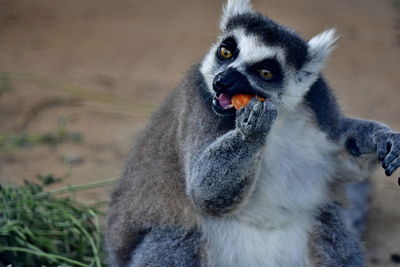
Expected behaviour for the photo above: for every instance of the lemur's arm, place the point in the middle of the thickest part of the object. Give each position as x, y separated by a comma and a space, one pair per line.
365, 137
223, 174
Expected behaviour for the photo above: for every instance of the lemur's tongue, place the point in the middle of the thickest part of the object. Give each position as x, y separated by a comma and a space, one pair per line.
225, 101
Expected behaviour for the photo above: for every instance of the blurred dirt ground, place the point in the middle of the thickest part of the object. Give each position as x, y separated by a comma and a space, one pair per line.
100, 66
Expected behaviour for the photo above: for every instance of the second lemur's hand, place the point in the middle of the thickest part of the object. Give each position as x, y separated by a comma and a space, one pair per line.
388, 150
255, 120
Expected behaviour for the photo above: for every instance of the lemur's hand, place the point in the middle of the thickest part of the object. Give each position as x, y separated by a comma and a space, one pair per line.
388, 150
255, 120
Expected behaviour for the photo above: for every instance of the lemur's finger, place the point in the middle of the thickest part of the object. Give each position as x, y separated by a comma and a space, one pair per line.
256, 112
257, 108
382, 150
243, 113
394, 153
264, 109
393, 166
254, 107
270, 109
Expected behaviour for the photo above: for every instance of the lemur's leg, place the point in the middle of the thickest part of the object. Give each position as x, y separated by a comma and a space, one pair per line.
364, 137
355, 210
222, 176
331, 244
168, 247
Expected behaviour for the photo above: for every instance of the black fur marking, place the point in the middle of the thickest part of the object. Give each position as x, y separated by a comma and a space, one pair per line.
325, 217
351, 146
395, 258
269, 64
231, 44
323, 103
272, 34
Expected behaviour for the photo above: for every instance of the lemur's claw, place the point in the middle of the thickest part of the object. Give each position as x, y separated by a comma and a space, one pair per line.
393, 166
388, 150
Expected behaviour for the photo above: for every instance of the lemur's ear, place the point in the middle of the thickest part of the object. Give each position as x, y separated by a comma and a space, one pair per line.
319, 49
233, 8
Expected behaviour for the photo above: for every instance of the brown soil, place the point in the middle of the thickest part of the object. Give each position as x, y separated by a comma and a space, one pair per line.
102, 65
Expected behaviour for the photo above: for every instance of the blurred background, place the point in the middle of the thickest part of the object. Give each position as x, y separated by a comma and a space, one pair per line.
79, 79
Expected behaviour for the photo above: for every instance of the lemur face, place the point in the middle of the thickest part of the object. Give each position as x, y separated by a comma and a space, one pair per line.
254, 55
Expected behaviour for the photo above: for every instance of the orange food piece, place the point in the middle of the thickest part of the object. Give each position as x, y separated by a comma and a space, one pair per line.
241, 100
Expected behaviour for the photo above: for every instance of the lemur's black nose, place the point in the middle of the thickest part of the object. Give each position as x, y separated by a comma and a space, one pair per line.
230, 81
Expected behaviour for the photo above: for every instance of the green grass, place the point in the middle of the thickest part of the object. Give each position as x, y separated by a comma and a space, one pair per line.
37, 228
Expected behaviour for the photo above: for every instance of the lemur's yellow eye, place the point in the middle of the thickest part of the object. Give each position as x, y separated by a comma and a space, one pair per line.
265, 74
225, 53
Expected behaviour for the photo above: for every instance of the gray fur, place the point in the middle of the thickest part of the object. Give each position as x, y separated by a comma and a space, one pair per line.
357, 135
371, 137
168, 247
355, 213
232, 156
190, 164
332, 244
151, 192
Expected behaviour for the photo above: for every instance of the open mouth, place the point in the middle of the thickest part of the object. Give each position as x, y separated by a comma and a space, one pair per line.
222, 104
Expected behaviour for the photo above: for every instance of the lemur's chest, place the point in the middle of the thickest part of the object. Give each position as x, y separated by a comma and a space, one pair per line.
272, 227
296, 166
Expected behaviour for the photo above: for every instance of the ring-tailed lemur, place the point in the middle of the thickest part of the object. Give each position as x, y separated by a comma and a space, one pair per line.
206, 185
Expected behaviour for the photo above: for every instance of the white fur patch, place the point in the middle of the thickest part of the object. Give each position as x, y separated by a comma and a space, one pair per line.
208, 67
233, 8
272, 228
319, 49
236, 244
252, 50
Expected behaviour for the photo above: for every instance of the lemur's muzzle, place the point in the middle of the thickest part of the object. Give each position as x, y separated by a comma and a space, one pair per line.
226, 84
232, 82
